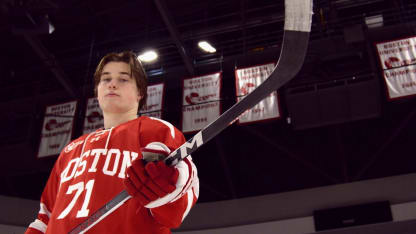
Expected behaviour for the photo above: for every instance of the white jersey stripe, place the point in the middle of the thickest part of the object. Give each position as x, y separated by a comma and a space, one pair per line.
44, 210
189, 205
169, 125
38, 225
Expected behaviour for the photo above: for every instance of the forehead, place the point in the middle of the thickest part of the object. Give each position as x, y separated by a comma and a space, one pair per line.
116, 67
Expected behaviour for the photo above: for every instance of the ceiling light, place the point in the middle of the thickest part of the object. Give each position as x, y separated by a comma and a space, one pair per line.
374, 21
51, 28
148, 56
205, 46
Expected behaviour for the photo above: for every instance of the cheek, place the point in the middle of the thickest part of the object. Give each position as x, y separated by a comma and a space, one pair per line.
130, 95
135, 94
100, 92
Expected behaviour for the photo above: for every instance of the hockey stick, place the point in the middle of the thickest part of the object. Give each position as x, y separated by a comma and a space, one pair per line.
298, 20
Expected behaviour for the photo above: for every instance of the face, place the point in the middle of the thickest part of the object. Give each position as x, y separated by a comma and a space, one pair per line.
117, 91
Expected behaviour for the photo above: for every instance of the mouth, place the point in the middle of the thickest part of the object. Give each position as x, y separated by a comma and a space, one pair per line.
112, 95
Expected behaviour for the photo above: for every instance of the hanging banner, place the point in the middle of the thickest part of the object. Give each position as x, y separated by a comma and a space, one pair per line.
246, 80
93, 116
397, 53
154, 103
201, 101
398, 59
401, 81
57, 128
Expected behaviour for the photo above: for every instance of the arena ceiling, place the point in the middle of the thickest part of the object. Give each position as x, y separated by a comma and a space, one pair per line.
85, 30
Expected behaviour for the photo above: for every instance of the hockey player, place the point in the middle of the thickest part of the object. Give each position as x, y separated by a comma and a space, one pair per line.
94, 168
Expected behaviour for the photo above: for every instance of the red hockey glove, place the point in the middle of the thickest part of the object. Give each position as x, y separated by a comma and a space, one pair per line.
149, 182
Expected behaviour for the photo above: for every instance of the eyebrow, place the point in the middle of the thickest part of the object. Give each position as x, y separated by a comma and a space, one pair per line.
121, 73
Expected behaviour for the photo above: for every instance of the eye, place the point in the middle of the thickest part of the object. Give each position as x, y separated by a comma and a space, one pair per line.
124, 78
106, 79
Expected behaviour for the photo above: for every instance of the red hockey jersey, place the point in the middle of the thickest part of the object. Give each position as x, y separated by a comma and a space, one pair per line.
90, 172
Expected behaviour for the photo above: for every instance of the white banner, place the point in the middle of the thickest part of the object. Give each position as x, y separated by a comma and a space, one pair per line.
154, 103
246, 80
200, 102
397, 58
397, 53
57, 128
401, 81
93, 116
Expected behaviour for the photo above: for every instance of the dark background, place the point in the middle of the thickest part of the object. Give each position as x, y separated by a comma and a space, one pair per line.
342, 126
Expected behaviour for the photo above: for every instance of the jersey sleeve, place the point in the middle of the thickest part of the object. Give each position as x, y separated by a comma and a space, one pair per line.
159, 135
47, 202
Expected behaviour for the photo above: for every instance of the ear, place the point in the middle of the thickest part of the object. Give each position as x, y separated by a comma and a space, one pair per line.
139, 97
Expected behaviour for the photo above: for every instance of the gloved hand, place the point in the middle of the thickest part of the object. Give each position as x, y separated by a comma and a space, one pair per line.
146, 183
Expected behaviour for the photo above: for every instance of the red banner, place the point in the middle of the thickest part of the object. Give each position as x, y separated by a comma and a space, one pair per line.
246, 80
201, 101
398, 60
57, 128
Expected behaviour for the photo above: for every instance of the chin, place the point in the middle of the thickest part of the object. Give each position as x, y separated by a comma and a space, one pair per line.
113, 109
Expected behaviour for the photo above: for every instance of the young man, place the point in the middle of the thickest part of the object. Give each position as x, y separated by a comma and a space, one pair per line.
94, 168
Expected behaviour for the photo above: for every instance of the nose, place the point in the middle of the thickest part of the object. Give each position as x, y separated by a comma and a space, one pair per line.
112, 84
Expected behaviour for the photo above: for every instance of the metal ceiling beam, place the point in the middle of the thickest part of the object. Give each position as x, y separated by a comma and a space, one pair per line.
203, 32
51, 63
173, 30
186, 36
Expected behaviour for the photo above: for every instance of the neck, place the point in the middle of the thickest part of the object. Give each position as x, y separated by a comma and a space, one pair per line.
115, 119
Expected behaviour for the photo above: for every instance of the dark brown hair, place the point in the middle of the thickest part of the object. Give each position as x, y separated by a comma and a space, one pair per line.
137, 71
